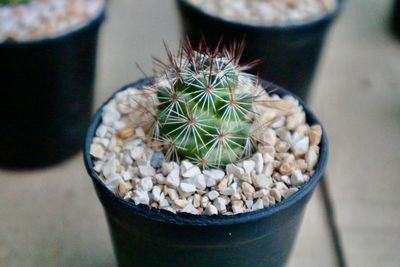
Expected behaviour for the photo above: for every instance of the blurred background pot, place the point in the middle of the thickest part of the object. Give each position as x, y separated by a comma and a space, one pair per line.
290, 52
149, 237
396, 18
46, 96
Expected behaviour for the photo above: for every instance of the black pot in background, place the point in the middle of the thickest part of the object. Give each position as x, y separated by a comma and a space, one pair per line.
396, 18
290, 52
153, 238
46, 96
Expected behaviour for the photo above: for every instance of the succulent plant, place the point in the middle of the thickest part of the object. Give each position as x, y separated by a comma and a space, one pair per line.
13, 2
202, 115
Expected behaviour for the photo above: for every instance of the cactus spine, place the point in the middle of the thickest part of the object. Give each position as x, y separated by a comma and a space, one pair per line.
201, 115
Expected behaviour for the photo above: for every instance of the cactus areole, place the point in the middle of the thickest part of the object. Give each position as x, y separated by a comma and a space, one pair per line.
203, 114
13, 2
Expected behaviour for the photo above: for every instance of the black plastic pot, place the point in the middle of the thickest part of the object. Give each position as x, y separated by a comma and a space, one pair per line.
289, 52
46, 96
153, 238
396, 18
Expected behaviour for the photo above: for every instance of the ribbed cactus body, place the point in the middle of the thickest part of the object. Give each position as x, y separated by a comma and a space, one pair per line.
201, 116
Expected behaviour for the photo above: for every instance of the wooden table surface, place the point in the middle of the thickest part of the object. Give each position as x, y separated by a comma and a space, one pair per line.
52, 217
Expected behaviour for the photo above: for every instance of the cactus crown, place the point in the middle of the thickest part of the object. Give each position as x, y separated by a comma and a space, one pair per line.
202, 115
13, 2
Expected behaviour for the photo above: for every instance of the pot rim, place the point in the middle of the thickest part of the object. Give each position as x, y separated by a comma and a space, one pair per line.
99, 18
292, 25
190, 219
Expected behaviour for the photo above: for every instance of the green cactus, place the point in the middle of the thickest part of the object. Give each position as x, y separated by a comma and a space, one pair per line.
201, 115
13, 2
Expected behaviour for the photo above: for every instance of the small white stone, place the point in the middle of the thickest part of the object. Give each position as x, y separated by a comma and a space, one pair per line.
166, 168
246, 178
248, 166
137, 152
181, 203
258, 205
262, 181
190, 209
163, 203
293, 121
286, 179
237, 209
301, 146
259, 162
196, 200
173, 195
168, 208
156, 193
127, 176
141, 197
187, 188
191, 172
173, 178
101, 131
284, 135
212, 195
220, 204
249, 203
235, 170
140, 133
211, 210
312, 157
248, 189
109, 168
97, 151
186, 165
146, 184
297, 178
269, 136
276, 194
113, 182
145, 171
160, 179
199, 181
229, 191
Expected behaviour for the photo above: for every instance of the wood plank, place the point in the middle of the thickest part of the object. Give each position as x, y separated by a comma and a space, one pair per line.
357, 97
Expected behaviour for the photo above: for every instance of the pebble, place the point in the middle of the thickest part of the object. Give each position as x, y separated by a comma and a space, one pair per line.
156, 194
235, 170
212, 195
248, 166
257, 205
199, 182
297, 178
124, 188
192, 172
173, 178
211, 210
259, 162
146, 184
262, 181
141, 197
190, 209
157, 159
301, 147
145, 171
220, 204
97, 151
229, 191
315, 134
248, 189
213, 176
187, 188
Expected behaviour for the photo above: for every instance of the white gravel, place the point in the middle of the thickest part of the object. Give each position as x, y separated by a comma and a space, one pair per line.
125, 156
44, 18
266, 11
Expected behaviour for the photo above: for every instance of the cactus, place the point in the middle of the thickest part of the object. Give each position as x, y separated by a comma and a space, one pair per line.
202, 116
13, 2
